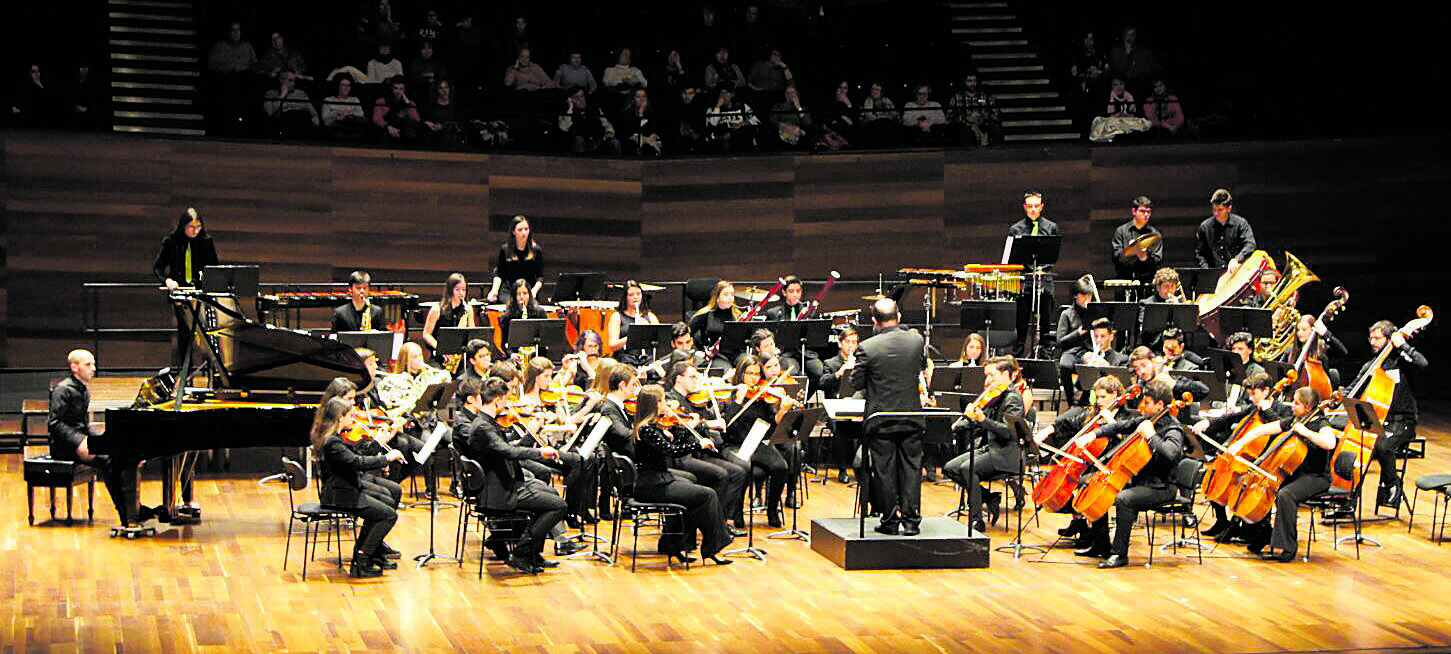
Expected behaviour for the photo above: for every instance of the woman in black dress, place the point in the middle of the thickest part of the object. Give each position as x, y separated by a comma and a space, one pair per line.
655, 446
341, 469
520, 258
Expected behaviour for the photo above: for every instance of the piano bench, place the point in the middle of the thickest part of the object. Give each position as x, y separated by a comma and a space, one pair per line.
45, 472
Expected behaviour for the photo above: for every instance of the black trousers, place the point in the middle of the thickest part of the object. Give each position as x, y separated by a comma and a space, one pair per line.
1128, 504
378, 519
702, 515
385, 490
1286, 536
548, 509
987, 464
768, 460
1398, 432
726, 476
897, 475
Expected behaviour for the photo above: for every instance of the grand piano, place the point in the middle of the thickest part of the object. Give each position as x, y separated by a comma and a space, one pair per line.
261, 390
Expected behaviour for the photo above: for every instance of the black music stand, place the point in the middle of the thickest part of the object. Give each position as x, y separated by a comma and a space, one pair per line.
543, 334
1088, 375
733, 338
795, 425
1040, 373
1034, 251
1122, 315
1024, 433
1277, 369
1361, 415
571, 287
983, 315
1217, 390
451, 340
945, 380
381, 343
648, 338
1196, 281
241, 281
1159, 316
1227, 365
1258, 322
864, 482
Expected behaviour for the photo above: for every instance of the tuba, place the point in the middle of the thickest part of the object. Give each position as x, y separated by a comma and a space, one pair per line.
1282, 300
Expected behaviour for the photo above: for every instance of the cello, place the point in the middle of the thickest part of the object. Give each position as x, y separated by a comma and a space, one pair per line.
1126, 460
1377, 388
1221, 474
1055, 490
1254, 496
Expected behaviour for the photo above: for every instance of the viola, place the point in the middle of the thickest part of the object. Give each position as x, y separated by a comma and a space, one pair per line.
975, 410
1056, 488
1223, 473
1126, 460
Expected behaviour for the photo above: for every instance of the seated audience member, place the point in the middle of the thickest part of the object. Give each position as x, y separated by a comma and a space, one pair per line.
722, 70
525, 75
573, 74
231, 68
279, 57
1122, 117
85, 98
384, 67
342, 114
426, 69
638, 127
396, 115
839, 122
232, 55
770, 76
1133, 63
586, 126
975, 112
730, 125
923, 119
431, 29
792, 121
34, 101
684, 129
443, 119
1163, 110
466, 48
623, 76
673, 77
288, 108
880, 118
379, 27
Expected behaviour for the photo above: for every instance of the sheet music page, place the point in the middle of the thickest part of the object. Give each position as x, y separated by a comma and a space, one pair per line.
1007, 249
397, 344
594, 438
753, 440
433, 440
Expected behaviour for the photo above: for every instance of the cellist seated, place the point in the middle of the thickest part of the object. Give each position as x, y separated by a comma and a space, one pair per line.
1262, 408
1311, 478
1106, 393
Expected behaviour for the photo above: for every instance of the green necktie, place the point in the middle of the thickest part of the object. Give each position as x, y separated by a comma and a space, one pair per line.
187, 265
1033, 233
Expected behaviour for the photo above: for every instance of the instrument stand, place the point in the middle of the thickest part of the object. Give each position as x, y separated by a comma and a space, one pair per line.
432, 555
750, 550
595, 541
793, 532
1016, 546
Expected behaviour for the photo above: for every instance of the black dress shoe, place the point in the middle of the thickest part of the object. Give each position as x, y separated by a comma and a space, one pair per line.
573, 522
1393, 496
386, 552
979, 526
363, 568
1190, 521
1216, 530
773, 519
1114, 561
888, 528
1093, 552
911, 529
736, 533
385, 564
682, 557
1256, 548
842, 477
523, 565
1074, 528
1282, 557
568, 547
995, 507
929, 474
540, 563
718, 561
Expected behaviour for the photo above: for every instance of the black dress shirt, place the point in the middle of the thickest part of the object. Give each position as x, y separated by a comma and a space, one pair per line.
1215, 244
1133, 268
347, 318
171, 261
1024, 227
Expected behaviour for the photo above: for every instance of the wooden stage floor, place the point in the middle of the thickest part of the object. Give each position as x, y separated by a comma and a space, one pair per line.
220, 587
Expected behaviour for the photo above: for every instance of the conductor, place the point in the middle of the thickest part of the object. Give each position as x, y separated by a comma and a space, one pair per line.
889, 365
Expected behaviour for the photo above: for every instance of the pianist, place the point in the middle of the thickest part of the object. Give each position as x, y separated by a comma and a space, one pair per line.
70, 428
358, 315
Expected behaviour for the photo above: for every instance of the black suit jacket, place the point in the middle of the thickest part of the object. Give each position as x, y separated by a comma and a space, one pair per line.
171, 261
1024, 228
620, 436
483, 440
348, 319
342, 469
69, 421
887, 369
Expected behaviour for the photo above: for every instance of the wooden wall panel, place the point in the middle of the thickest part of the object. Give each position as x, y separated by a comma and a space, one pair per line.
93, 207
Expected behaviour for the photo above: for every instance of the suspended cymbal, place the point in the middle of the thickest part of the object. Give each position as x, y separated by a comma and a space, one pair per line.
874, 298
752, 293
1140, 244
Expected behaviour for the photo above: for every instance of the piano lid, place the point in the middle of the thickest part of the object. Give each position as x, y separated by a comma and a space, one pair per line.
264, 357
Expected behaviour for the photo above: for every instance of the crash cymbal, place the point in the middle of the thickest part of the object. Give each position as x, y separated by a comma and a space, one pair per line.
1145, 242
874, 298
752, 293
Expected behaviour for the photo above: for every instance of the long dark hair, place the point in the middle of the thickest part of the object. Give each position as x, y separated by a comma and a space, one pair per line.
746, 361
530, 247
453, 280
625, 298
325, 423
514, 297
185, 219
647, 407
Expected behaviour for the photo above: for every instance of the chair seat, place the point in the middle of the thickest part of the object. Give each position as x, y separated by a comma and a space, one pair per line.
1433, 482
315, 511
47, 472
635, 504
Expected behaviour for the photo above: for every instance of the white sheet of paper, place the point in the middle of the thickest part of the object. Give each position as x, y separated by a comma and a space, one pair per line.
397, 344
846, 406
433, 440
753, 440
595, 436
1007, 248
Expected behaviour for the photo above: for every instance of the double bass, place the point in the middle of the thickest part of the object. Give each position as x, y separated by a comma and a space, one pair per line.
1126, 460
1377, 388
1312, 371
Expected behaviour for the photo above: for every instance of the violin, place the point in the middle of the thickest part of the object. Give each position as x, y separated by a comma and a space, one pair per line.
974, 411
1126, 460
670, 418
1057, 487
775, 393
572, 395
